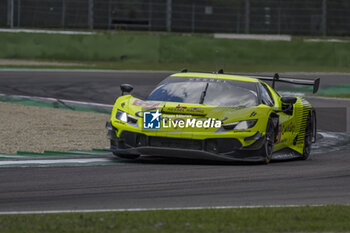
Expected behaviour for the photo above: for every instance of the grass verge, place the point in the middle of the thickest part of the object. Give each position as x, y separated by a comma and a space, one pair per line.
160, 51
338, 90
333, 218
335, 95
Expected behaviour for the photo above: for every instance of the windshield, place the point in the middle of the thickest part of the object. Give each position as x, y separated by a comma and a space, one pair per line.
206, 91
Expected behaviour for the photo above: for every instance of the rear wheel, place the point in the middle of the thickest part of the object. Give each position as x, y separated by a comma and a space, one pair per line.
267, 149
308, 137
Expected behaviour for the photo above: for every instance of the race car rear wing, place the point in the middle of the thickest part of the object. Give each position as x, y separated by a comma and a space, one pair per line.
276, 78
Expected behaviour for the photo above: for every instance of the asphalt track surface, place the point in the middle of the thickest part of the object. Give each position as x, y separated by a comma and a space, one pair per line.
164, 183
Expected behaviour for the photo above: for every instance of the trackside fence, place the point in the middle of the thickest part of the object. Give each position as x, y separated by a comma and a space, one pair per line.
297, 17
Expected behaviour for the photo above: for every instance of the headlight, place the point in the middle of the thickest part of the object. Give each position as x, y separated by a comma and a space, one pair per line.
240, 125
124, 117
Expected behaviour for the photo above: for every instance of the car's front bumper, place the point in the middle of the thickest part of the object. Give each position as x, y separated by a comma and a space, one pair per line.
224, 149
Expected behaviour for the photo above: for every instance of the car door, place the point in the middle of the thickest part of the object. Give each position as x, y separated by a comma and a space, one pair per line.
284, 125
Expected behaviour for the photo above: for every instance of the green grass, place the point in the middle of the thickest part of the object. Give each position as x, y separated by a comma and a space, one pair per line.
160, 51
335, 95
287, 219
337, 90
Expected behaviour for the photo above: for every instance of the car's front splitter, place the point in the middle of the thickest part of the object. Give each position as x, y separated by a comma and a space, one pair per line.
167, 152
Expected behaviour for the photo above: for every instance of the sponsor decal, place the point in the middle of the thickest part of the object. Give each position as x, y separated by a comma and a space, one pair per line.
185, 110
192, 123
145, 104
153, 120
288, 127
279, 134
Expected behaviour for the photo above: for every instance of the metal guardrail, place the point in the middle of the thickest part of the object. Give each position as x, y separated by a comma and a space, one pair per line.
312, 17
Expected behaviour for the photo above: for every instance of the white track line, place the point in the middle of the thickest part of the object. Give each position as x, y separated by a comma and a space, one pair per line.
13, 156
252, 37
51, 161
155, 209
327, 40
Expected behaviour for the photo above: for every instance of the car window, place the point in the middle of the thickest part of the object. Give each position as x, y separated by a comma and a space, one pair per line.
183, 92
207, 91
266, 96
230, 95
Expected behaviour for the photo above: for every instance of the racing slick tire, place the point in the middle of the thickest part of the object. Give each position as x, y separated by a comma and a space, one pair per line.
266, 150
308, 137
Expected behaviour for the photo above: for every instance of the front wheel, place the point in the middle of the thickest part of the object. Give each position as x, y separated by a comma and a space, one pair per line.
267, 149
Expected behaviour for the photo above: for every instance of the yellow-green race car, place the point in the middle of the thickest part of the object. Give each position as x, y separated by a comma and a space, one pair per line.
215, 116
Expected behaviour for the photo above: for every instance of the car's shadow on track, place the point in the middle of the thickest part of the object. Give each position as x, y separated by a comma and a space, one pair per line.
154, 160
282, 156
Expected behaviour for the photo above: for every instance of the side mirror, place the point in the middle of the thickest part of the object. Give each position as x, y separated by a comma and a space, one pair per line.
289, 100
126, 88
